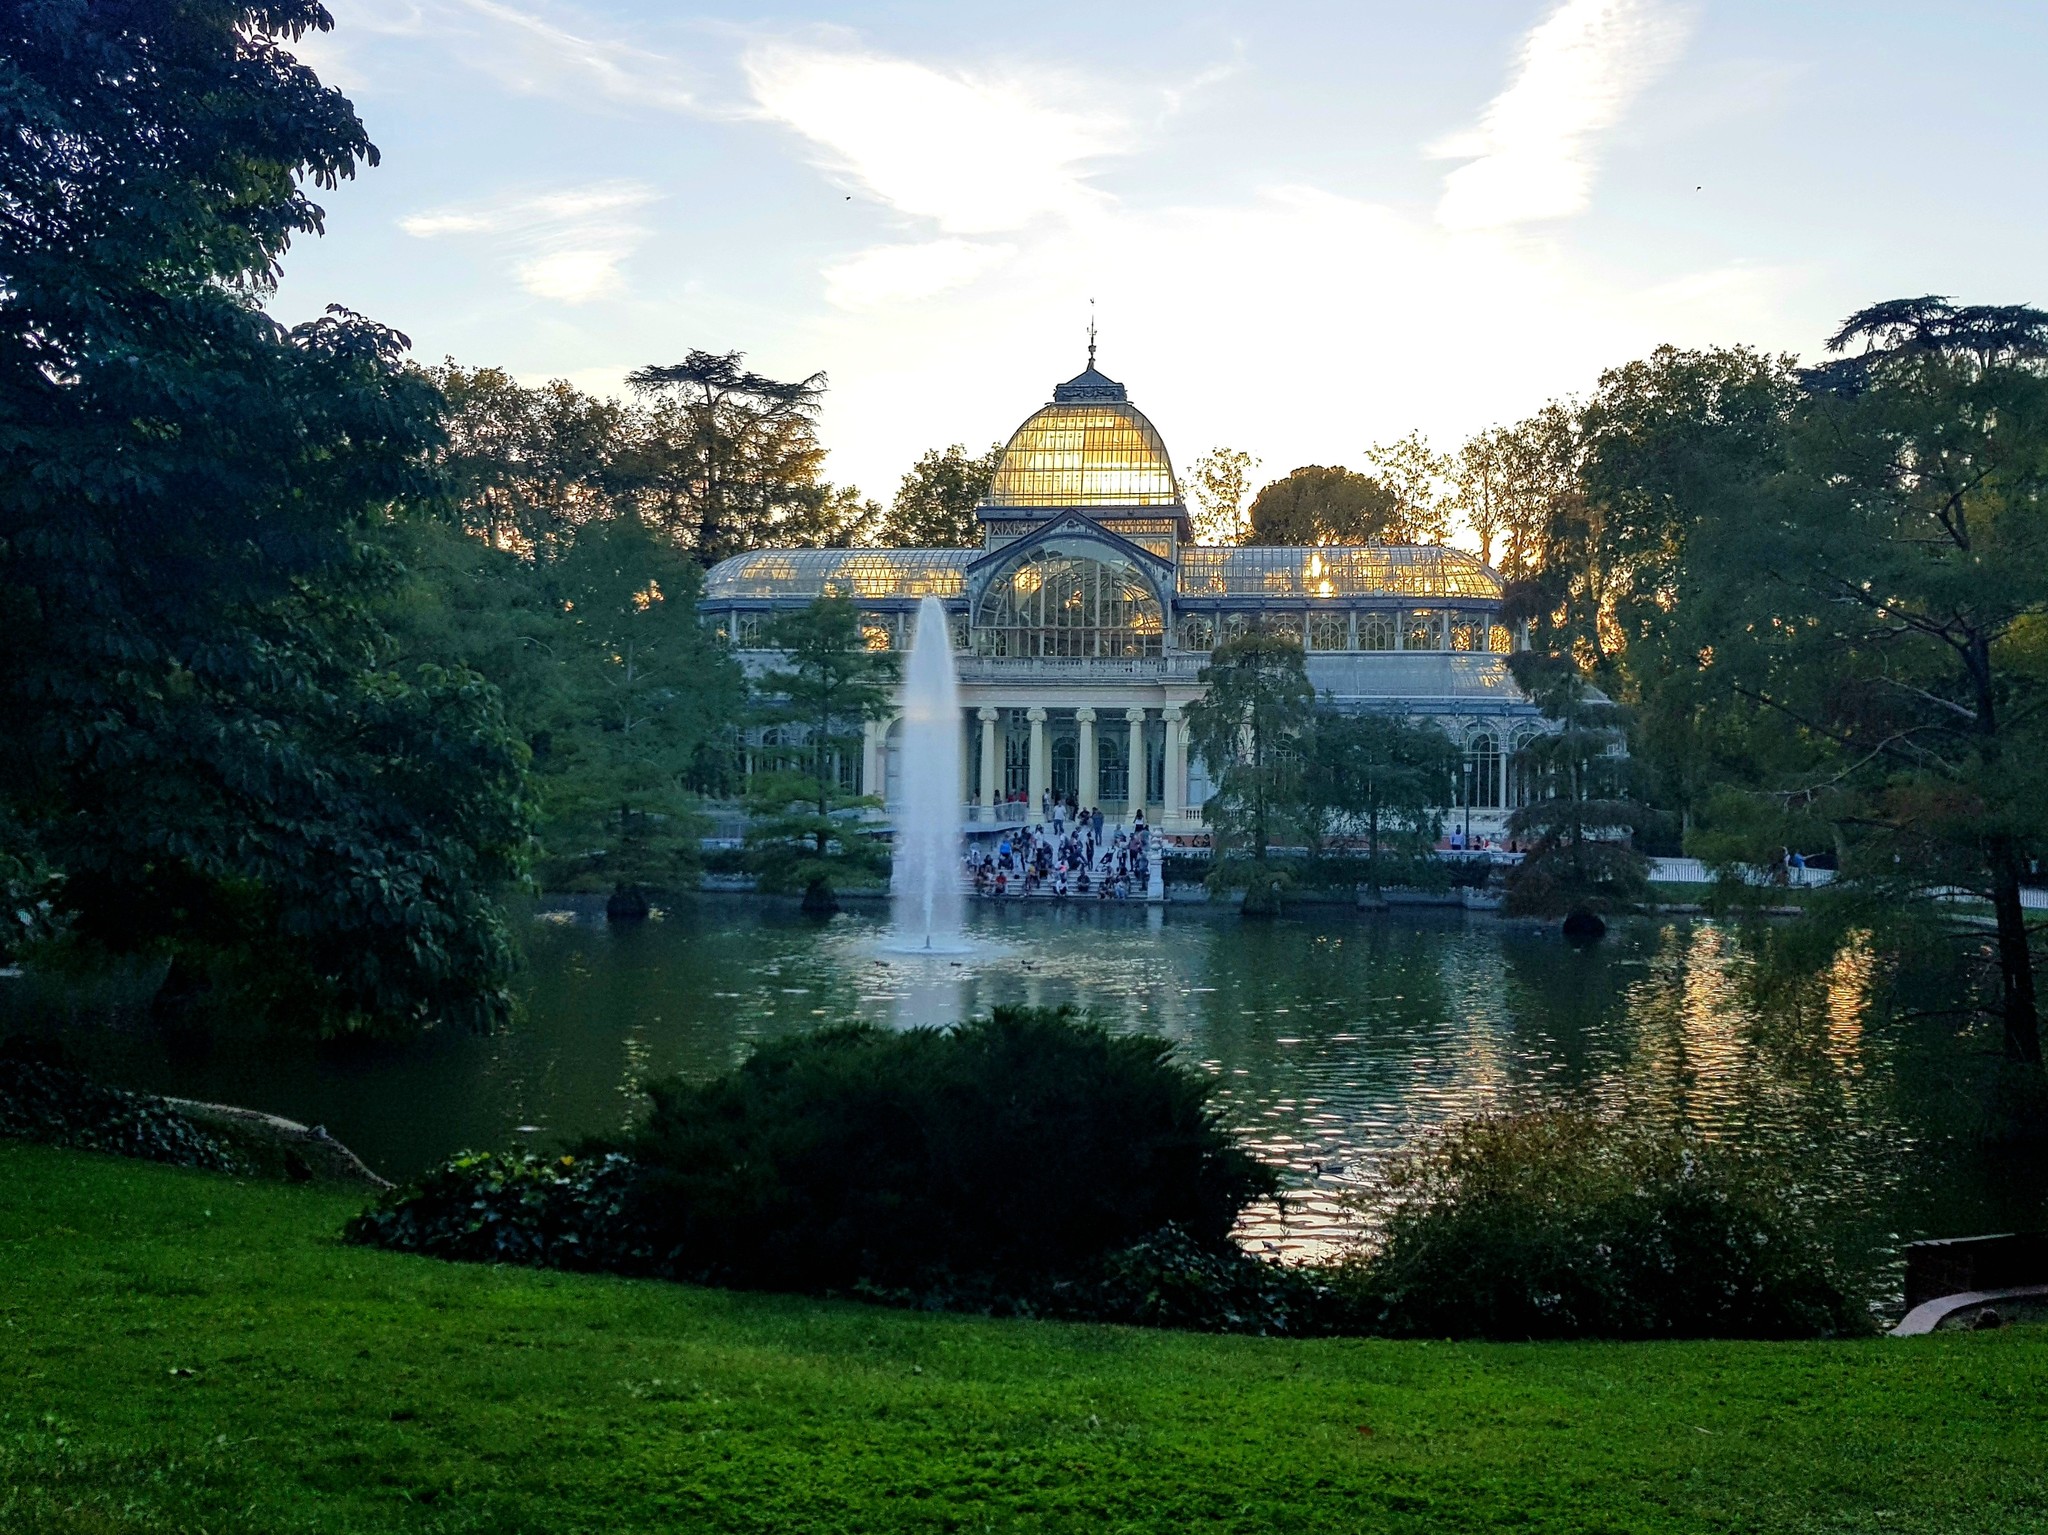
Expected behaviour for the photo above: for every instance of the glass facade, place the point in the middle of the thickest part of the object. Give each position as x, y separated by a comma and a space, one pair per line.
1104, 454
1409, 570
856, 573
1070, 599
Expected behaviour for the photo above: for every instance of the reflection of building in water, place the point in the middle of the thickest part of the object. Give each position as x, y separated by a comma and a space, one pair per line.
1084, 618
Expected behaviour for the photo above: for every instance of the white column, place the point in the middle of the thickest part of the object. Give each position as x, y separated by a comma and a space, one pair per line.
874, 758
1176, 765
1137, 784
1036, 715
1090, 789
991, 756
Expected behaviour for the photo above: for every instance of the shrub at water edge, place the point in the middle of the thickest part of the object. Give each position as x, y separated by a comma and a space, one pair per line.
1559, 1225
1027, 1143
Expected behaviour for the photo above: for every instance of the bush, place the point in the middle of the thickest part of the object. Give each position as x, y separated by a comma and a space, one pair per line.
986, 1162
41, 1099
509, 1207
1024, 1144
1556, 1225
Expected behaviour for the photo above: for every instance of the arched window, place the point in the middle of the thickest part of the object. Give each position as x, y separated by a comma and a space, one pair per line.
1070, 599
1482, 771
1376, 631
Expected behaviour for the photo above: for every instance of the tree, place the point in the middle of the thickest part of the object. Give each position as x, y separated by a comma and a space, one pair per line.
1249, 726
816, 705
1888, 611
1323, 504
1580, 810
935, 505
1385, 777
202, 729
645, 695
1218, 481
526, 466
725, 456
1480, 487
1414, 474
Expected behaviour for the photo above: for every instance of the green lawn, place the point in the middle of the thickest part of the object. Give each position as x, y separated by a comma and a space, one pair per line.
182, 1352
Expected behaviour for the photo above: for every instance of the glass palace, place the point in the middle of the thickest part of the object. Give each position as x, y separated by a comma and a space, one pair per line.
1082, 624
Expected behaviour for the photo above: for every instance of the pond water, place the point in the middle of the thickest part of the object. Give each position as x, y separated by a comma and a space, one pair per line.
1338, 1039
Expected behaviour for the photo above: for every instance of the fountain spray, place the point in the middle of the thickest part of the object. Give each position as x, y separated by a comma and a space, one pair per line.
925, 881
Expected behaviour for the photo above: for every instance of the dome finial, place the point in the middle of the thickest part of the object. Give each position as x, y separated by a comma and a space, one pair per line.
1091, 333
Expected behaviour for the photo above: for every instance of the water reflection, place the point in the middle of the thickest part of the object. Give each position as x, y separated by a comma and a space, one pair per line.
1336, 1040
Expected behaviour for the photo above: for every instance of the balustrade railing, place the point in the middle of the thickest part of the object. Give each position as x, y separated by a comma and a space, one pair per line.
1078, 669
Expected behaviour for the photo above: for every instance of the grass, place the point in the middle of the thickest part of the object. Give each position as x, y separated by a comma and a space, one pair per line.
184, 1352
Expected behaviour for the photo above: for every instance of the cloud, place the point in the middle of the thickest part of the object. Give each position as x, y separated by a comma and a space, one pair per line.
974, 154
1532, 152
894, 274
527, 51
531, 53
563, 245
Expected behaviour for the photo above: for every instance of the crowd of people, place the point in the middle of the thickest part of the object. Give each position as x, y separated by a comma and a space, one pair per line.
1070, 853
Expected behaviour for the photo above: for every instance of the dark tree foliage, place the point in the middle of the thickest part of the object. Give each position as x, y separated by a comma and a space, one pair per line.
1251, 726
1383, 781
525, 467
732, 458
199, 728
935, 505
1581, 810
815, 706
1325, 504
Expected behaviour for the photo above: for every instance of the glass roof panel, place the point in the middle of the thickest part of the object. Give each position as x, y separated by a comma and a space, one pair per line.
808, 573
1094, 454
1407, 570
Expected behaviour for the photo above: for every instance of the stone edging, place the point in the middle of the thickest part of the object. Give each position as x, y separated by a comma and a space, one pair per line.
325, 1157
1930, 1314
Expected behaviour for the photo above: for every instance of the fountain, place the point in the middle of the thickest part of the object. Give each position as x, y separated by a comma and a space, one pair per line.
925, 881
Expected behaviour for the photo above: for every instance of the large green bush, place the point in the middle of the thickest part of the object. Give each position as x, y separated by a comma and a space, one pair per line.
1025, 1144
1558, 1225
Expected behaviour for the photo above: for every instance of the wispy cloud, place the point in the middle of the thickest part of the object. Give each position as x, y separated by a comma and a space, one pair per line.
1531, 156
530, 52
975, 154
564, 245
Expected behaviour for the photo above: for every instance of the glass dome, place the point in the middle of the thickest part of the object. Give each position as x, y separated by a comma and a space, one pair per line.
1089, 447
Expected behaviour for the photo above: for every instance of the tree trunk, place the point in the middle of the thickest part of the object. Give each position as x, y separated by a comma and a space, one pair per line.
2015, 961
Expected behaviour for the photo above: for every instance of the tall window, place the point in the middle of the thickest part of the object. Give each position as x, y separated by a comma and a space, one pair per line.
878, 631
1468, 632
1112, 776
1070, 600
1016, 761
1198, 632
1482, 771
746, 631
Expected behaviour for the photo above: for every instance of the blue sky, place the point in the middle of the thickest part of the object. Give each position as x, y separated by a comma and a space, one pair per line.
1307, 227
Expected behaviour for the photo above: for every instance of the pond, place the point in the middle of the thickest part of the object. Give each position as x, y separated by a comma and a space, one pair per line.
1338, 1038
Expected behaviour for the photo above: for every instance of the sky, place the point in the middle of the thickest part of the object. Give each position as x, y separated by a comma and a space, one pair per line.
1301, 228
